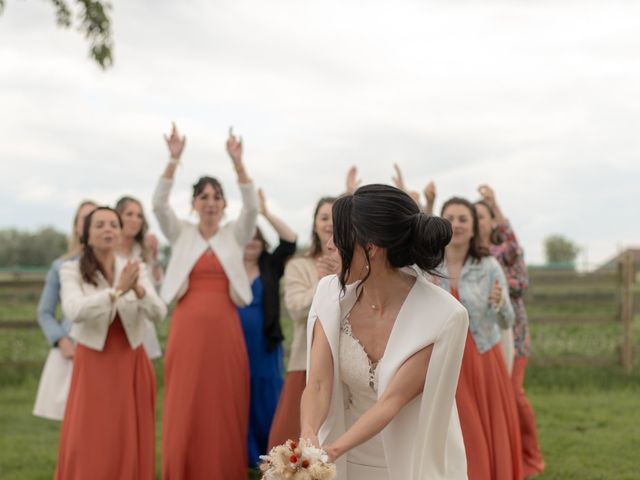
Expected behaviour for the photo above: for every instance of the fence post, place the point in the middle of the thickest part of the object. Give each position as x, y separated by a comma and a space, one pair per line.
628, 277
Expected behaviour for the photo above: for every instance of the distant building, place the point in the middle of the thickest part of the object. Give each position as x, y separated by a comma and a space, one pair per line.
612, 264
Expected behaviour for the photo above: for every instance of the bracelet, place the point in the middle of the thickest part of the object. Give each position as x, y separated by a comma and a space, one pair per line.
174, 161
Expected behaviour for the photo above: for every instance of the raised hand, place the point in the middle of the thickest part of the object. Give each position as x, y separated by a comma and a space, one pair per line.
487, 194
398, 179
129, 276
495, 298
262, 203
234, 149
352, 180
175, 142
430, 192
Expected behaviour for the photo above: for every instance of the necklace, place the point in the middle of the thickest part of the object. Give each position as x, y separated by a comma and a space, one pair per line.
373, 306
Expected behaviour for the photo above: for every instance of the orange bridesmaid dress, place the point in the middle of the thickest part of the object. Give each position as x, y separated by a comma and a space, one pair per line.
206, 406
108, 430
488, 414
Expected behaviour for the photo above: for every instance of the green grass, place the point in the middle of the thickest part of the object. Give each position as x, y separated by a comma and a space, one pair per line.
588, 410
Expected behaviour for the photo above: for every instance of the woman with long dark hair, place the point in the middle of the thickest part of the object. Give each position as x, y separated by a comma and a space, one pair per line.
385, 345
108, 429
485, 399
206, 406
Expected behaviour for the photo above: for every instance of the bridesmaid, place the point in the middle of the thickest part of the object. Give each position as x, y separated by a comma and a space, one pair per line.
108, 429
133, 247
206, 406
497, 234
301, 277
262, 330
485, 399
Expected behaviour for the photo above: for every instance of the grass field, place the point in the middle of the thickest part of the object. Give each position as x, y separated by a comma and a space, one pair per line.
588, 410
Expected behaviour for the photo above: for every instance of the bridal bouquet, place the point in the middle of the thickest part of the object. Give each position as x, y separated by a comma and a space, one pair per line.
297, 461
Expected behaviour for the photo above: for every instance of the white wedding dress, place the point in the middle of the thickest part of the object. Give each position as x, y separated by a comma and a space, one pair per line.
360, 391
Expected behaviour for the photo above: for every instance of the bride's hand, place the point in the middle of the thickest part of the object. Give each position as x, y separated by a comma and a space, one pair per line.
311, 437
332, 453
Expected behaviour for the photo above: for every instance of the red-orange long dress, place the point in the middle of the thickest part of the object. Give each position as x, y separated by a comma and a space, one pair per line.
488, 414
108, 430
206, 406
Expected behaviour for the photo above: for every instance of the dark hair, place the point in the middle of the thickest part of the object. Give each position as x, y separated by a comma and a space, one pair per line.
121, 206
388, 218
202, 182
476, 250
316, 247
260, 237
89, 264
495, 238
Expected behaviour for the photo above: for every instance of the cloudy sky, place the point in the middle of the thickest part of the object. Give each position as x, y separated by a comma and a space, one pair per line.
539, 99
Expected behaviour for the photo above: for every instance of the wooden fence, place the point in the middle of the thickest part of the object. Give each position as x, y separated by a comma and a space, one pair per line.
558, 297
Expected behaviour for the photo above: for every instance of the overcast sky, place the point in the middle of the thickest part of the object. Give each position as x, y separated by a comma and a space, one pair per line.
539, 99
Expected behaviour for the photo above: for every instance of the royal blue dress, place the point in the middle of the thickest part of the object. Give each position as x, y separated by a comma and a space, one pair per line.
265, 370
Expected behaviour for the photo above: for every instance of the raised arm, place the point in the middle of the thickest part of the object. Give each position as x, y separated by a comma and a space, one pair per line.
509, 250
407, 384
316, 397
282, 229
167, 218
245, 225
398, 181
352, 181
430, 196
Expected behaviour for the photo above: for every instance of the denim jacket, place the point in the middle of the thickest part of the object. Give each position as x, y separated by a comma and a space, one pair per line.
49, 301
476, 282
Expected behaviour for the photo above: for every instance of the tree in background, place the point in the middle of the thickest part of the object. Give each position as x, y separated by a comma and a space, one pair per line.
558, 249
93, 20
27, 249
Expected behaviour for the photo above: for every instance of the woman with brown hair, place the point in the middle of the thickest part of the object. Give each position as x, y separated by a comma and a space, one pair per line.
133, 247
108, 429
485, 399
206, 406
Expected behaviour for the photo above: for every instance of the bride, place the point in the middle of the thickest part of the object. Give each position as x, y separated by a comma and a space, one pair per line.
385, 346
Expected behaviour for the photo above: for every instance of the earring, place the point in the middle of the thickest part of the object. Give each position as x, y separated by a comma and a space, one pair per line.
367, 267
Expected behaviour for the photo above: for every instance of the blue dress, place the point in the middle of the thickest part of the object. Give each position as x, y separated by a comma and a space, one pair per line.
265, 374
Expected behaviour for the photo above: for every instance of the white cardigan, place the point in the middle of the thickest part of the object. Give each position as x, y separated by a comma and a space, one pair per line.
424, 441
91, 309
187, 244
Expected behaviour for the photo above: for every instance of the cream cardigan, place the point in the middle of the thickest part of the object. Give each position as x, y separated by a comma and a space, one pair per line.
187, 245
424, 440
91, 310
300, 282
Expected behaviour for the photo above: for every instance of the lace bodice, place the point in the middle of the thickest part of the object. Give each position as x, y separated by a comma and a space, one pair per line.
360, 386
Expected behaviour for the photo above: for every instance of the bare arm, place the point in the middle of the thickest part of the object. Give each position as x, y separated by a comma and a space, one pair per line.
175, 144
316, 397
407, 384
282, 229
